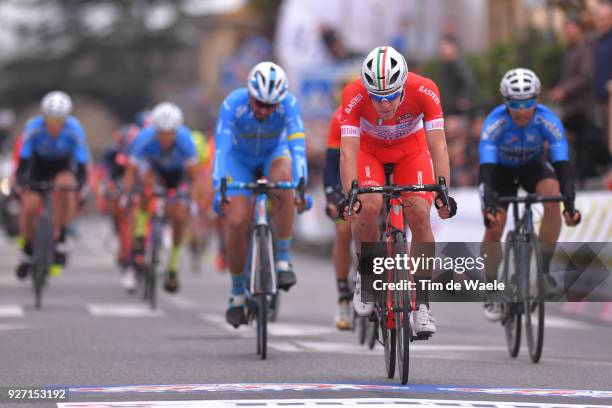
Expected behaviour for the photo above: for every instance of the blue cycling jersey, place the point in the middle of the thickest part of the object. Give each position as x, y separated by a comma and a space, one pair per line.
504, 143
69, 144
147, 149
237, 129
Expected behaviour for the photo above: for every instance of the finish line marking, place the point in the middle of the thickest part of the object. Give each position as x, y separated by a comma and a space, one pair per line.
283, 387
336, 402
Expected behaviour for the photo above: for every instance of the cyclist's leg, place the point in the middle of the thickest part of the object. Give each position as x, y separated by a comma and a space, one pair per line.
341, 253
237, 223
278, 168
370, 172
491, 249
177, 212
416, 168
31, 202
540, 178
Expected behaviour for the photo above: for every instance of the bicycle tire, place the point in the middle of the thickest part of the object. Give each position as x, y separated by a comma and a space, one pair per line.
43, 250
402, 315
263, 286
371, 332
362, 329
262, 325
151, 275
389, 344
511, 315
534, 305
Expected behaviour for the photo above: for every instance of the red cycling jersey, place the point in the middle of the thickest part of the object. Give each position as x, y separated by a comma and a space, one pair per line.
333, 137
400, 140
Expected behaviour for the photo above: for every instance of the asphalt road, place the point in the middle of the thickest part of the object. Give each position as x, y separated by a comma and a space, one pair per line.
107, 346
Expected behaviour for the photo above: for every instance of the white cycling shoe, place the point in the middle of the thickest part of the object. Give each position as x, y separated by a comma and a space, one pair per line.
492, 311
128, 280
361, 308
423, 320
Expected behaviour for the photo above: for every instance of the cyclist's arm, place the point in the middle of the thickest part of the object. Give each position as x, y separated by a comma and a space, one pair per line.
490, 134
296, 139
436, 140
81, 157
136, 155
25, 153
433, 119
224, 131
559, 156
350, 133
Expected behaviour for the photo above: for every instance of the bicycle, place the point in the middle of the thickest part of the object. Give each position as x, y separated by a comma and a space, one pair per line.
521, 248
392, 309
155, 242
44, 242
262, 279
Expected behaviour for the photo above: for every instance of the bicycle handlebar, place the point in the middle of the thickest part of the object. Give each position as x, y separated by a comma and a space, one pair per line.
263, 185
529, 199
396, 190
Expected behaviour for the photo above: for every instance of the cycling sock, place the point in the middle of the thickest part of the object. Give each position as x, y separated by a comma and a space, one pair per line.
547, 256
238, 285
62, 235
344, 291
422, 295
28, 248
173, 261
142, 217
283, 246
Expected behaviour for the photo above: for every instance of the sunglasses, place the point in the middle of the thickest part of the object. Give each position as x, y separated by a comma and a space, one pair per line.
263, 105
388, 97
518, 105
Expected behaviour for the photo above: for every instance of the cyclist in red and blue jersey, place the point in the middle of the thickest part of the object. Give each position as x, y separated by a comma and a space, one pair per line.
54, 150
513, 143
259, 128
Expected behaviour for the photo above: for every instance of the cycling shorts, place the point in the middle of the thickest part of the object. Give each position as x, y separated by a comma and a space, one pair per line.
508, 179
409, 168
243, 167
46, 170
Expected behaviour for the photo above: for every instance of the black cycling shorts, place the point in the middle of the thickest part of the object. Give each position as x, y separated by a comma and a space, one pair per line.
171, 179
508, 179
47, 170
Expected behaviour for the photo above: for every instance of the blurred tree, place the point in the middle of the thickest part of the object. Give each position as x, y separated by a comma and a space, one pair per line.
269, 9
108, 49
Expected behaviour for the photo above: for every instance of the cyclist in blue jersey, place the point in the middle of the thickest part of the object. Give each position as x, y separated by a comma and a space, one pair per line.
164, 153
259, 128
54, 149
513, 142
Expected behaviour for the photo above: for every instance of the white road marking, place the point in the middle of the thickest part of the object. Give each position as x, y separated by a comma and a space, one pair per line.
178, 301
10, 326
310, 402
123, 310
11, 311
555, 322
274, 329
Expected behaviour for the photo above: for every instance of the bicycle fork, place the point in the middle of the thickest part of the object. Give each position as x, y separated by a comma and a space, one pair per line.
261, 223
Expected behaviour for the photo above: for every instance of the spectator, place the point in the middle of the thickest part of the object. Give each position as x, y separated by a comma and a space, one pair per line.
575, 94
456, 79
603, 59
336, 47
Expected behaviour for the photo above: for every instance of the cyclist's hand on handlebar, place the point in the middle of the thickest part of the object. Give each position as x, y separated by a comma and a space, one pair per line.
572, 218
344, 210
446, 211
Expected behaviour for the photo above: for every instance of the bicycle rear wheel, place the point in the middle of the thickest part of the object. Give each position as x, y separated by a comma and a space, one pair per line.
43, 250
511, 312
402, 307
534, 300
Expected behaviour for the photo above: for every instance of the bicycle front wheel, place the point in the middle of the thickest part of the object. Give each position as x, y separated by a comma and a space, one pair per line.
511, 312
534, 300
43, 251
264, 268
402, 307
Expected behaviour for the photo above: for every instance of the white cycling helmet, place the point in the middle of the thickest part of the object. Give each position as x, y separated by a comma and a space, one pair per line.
57, 104
167, 117
384, 70
520, 83
267, 82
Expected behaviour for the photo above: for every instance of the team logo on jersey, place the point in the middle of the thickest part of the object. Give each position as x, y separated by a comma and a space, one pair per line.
353, 102
367, 171
379, 121
405, 117
430, 93
531, 137
512, 139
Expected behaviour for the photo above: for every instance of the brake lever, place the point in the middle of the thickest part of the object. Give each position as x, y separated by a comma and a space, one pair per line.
443, 193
